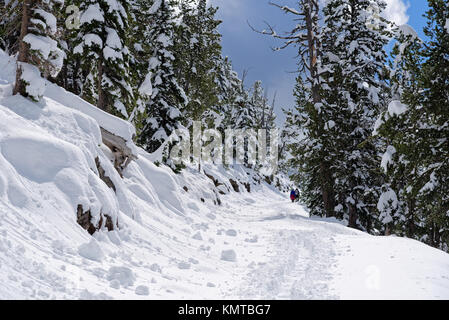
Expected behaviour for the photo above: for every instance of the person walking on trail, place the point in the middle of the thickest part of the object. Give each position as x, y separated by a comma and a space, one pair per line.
293, 195
297, 195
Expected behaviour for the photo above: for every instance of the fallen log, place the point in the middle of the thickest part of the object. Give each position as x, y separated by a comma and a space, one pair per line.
123, 154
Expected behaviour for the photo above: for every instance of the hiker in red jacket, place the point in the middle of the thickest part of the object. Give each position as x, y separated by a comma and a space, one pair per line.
293, 195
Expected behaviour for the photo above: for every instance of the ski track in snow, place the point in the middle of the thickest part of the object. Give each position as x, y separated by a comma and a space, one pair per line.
297, 267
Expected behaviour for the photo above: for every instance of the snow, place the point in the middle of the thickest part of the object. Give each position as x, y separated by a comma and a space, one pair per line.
396, 108
387, 158
171, 243
91, 38
142, 291
229, 255
408, 30
146, 87
35, 84
155, 7
92, 13
91, 251
122, 276
388, 201
50, 19
113, 124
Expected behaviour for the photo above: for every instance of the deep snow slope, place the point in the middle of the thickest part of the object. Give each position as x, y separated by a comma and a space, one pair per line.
174, 241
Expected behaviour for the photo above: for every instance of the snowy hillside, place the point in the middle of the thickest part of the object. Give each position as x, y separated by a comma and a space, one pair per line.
173, 236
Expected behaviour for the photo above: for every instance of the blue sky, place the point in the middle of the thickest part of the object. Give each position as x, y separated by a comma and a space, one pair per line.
251, 51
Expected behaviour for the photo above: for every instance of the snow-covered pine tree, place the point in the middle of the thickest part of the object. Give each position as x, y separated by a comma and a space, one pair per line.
198, 53
70, 77
141, 52
353, 60
162, 110
10, 22
101, 47
38, 54
418, 137
304, 142
229, 94
397, 205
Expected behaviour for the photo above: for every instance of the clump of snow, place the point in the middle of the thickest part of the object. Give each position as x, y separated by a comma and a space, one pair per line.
123, 276
35, 85
408, 30
197, 236
388, 202
142, 291
91, 250
387, 158
184, 265
396, 108
229, 255
92, 13
146, 88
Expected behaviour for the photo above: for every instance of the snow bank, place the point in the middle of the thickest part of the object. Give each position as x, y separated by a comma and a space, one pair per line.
112, 124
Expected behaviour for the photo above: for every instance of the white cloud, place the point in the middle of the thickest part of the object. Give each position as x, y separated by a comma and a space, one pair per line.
396, 11
229, 7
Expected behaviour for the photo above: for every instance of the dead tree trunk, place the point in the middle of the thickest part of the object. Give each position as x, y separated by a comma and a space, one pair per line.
313, 43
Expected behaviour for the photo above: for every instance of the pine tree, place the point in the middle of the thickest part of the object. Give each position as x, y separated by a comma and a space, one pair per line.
305, 144
354, 59
198, 53
229, 94
141, 35
101, 48
398, 205
417, 129
10, 23
38, 53
71, 77
162, 110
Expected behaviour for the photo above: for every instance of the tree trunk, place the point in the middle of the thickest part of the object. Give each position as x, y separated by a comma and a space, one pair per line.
101, 103
20, 87
327, 191
411, 220
313, 47
387, 230
352, 216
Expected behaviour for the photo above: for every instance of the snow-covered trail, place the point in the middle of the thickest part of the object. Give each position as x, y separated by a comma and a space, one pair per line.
293, 255
280, 253
298, 257
301, 254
